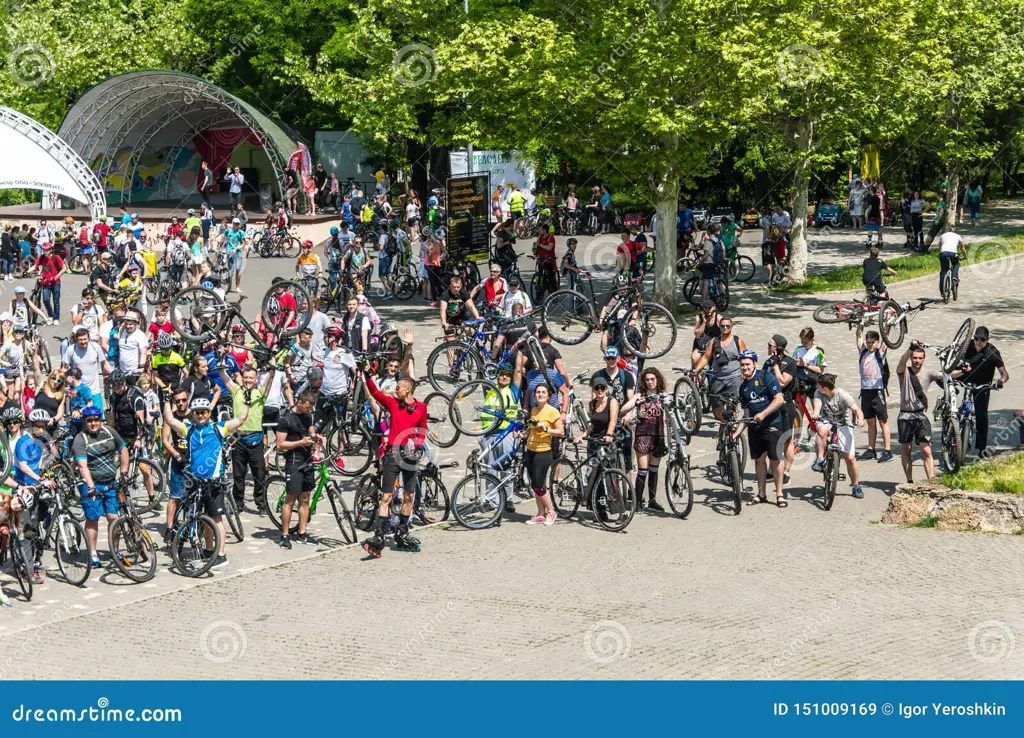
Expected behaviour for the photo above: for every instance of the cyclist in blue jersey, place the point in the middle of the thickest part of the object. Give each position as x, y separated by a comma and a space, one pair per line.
220, 358
762, 399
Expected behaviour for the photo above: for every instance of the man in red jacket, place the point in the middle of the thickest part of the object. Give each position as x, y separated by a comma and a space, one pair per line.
404, 448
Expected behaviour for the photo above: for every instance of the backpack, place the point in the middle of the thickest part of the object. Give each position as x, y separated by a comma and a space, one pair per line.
807, 381
883, 363
179, 254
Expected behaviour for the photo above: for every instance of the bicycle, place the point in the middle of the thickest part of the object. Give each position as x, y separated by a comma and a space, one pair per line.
478, 500
601, 481
894, 320
136, 488
741, 268
966, 416
678, 482
853, 313
690, 398
405, 283
468, 358
526, 227
325, 485
130, 543
11, 545
830, 469
571, 317
195, 538
278, 243
544, 280
732, 453
949, 287
65, 535
718, 289
431, 502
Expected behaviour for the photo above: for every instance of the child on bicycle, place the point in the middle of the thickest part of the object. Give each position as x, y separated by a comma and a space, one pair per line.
874, 269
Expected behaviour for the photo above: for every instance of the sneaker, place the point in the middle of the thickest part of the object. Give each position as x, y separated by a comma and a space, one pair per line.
5, 601
220, 562
818, 465
785, 478
94, 561
868, 455
509, 506
886, 456
306, 538
655, 505
285, 542
432, 304
550, 518
535, 520
858, 491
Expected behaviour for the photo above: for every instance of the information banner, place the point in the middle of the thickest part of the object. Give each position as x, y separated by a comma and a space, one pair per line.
469, 229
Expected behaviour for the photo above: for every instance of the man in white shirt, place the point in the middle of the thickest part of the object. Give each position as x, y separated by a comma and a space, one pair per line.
781, 218
90, 360
951, 250
531, 199
337, 369
318, 323
132, 346
515, 295
88, 314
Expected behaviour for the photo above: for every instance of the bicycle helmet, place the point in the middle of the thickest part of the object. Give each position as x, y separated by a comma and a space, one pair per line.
272, 306
165, 341
200, 403
431, 201
386, 329
314, 374
92, 412
277, 280
39, 415
334, 230
505, 368
335, 331
208, 284
191, 211
307, 244
116, 378
748, 354
622, 281
13, 415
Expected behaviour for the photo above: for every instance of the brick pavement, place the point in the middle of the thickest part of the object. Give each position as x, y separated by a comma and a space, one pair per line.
795, 593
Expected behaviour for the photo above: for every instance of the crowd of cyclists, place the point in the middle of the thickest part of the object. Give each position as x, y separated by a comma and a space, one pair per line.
162, 388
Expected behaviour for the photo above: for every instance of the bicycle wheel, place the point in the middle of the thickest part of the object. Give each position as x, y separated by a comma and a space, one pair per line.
286, 308
691, 289
569, 317
66, 485
966, 438
44, 358
742, 269
432, 503
736, 481
950, 453
614, 500
366, 501
566, 488
891, 324
275, 487
688, 408
137, 491
830, 314
7, 458
19, 565
76, 264
649, 330
343, 516
571, 226
72, 551
198, 312
290, 247
478, 500
405, 287
441, 431
956, 290
351, 449
132, 549
476, 408
831, 478
233, 516
195, 546
453, 363
946, 288
679, 487
957, 349
151, 287
719, 292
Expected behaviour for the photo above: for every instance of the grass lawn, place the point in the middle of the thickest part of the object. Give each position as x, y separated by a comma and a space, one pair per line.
1002, 474
908, 267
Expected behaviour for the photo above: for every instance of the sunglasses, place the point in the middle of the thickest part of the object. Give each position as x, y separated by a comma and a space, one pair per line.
600, 389
725, 325
182, 401
201, 412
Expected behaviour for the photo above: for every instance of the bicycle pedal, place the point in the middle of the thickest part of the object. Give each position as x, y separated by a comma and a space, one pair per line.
842, 477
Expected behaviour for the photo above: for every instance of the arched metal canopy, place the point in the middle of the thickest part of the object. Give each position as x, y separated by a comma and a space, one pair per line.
138, 108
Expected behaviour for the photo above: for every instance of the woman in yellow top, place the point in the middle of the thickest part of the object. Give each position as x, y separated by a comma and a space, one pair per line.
547, 423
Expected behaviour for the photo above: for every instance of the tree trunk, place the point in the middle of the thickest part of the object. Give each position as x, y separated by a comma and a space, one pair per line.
952, 187
798, 236
666, 199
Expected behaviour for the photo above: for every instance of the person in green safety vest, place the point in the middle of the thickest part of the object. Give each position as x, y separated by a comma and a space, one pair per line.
516, 203
490, 448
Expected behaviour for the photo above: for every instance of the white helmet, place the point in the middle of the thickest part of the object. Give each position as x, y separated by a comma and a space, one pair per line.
200, 403
39, 415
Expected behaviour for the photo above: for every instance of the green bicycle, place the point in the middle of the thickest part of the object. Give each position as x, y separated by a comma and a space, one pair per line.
324, 485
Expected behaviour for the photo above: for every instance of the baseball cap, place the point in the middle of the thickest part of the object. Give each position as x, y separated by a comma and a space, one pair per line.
780, 340
236, 220
981, 333
599, 382
611, 353
19, 289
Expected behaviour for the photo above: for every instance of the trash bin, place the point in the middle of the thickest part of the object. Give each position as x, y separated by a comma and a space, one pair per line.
266, 197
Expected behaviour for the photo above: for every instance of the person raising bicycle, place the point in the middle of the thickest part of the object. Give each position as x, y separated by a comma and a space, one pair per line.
832, 406
613, 312
723, 354
761, 398
404, 447
205, 443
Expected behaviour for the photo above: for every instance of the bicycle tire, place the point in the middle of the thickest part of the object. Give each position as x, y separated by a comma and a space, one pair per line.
468, 364
44, 358
686, 395
651, 319
618, 490
719, 291
478, 500
151, 288
691, 289
7, 458
432, 501
476, 407
966, 438
207, 303
353, 447
75, 264
831, 479
440, 429
521, 228
65, 481
137, 493
366, 502
19, 565
290, 247
950, 449
946, 287
891, 324
736, 481
571, 227
958, 348
956, 290
744, 270
537, 288
129, 542
405, 287
567, 492
71, 548
233, 516
275, 487
830, 314
269, 301
565, 309
342, 515
188, 547
679, 488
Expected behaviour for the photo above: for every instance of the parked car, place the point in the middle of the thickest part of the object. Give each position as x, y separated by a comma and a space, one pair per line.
700, 218
751, 219
828, 213
722, 211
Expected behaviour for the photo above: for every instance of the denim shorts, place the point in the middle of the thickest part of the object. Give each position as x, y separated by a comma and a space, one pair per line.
235, 262
176, 485
105, 502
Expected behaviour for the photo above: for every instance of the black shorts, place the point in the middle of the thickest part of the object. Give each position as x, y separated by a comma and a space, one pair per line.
299, 482
872, 404
723, 388
789, 413
767, 255
766, 439
915, 430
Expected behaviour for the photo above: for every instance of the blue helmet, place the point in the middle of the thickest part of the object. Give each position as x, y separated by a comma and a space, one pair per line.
748, 354
207, 284
431, 201
334, 230
92, 412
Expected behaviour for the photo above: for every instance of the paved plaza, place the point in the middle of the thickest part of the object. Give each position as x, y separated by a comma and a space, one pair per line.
790, 594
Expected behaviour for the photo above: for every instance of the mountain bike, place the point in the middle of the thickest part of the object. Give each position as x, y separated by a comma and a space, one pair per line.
276, 243
966, 416
678, 483
894, 320
405, 283
200, 314
11, 546
646, 329
137, 492
460, 359
830, 469
600, 480
690, 398
65, 535
855, 312
544, 281
130, 544
950, 287
431, 502
718, 289
195, 538
478, 500
732, 453
325, 485
741, 269
526, 227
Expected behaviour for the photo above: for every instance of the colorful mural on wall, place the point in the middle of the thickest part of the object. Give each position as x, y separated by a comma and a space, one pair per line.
151, 175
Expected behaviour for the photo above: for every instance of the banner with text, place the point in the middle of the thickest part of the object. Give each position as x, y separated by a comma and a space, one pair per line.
468, 216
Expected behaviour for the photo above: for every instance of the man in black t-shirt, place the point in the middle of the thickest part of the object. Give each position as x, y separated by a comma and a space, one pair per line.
103, 278
320, 181
128, 418
980, 364
783, 366
874, 269
297, 437
622, 387
456, 306
291, 188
